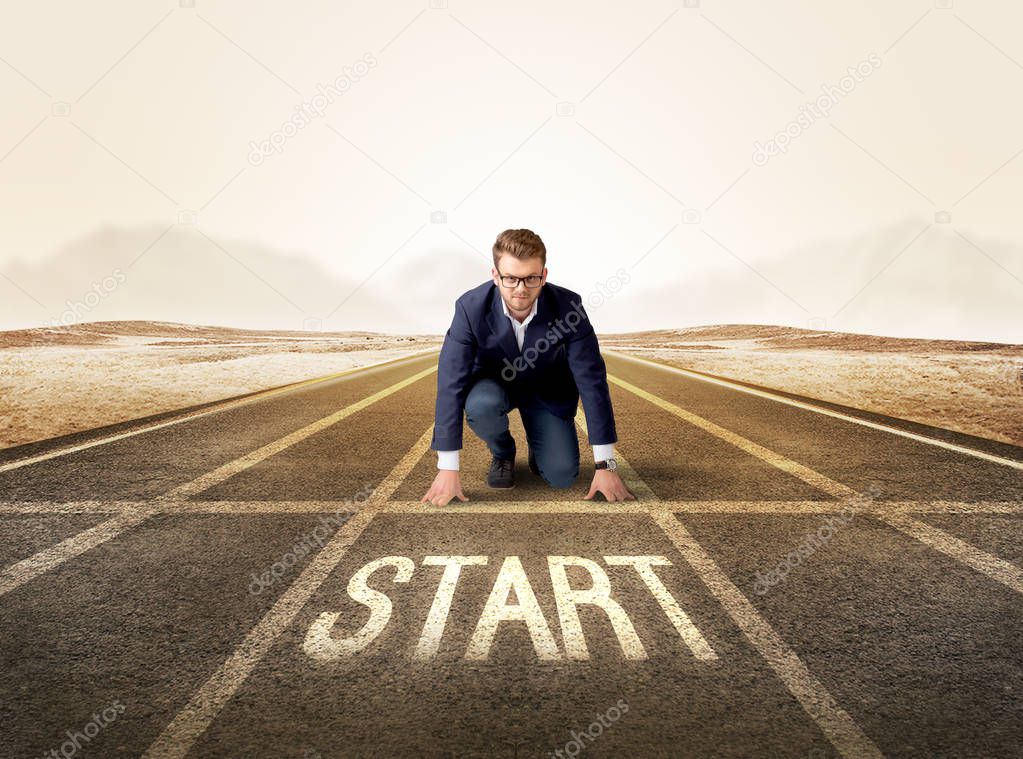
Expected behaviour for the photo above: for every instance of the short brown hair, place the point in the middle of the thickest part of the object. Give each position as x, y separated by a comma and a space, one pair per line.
521, 243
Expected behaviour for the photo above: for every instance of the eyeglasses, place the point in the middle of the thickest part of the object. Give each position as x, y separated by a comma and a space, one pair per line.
532, 280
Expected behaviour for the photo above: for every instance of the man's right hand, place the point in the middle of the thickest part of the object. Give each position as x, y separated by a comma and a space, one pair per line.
446, 485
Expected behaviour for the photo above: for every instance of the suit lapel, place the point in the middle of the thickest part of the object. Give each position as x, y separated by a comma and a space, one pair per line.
501, 326
538, 325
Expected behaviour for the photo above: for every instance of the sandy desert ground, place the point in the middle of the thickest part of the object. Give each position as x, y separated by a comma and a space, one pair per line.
60, 380
55, 381
970, 387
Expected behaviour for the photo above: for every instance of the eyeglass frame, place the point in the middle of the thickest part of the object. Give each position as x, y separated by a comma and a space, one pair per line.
501, 277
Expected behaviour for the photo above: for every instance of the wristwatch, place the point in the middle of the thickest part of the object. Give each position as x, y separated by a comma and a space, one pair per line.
610, 465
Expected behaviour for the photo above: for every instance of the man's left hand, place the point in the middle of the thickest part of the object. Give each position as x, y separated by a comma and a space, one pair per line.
610, 484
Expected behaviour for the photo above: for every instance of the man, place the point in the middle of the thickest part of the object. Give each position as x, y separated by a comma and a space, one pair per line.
520, 342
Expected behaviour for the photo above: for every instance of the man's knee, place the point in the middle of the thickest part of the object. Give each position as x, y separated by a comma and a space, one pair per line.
485, 399
560, 474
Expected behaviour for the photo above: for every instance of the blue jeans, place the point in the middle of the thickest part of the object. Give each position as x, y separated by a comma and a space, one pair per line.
553, 440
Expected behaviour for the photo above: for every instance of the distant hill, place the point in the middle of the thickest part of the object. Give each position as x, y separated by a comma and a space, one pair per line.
708, 337
139, 331
768, 336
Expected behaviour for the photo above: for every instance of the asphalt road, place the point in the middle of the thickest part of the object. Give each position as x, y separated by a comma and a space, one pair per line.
259, 579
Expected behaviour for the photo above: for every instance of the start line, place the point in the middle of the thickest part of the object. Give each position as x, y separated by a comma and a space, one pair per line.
322, 646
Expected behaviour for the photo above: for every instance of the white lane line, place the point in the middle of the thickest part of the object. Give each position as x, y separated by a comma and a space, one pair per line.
230, 469
632, 480
804, 473
224, 406
836, 724
826, 412
47, 559
998, 569
178, 737
995, 568
21, 572
966, 508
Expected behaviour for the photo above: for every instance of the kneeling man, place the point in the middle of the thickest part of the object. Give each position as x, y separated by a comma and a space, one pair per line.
519, 341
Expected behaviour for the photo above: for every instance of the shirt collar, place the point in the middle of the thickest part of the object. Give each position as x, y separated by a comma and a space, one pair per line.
532, 311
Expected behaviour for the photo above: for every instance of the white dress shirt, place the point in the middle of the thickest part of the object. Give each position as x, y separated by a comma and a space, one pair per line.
450, 459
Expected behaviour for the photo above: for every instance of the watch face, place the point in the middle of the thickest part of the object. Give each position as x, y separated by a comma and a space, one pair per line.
612, 464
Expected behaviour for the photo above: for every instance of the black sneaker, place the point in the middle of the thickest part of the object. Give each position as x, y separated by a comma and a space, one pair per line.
501, 474
532, 463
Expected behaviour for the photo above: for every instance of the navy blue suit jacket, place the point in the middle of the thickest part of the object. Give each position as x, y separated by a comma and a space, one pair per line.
559, 362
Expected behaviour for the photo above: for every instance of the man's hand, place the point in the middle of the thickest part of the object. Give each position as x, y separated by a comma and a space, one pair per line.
446, 485
611, 485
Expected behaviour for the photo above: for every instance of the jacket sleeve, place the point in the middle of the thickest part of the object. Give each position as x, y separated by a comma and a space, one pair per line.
454, 368
590, 373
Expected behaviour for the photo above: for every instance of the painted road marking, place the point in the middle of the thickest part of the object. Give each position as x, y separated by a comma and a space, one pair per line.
825, 411
515, 507
321, 645
690, 507
526, 609
230, 469
840, 728
177, 738
224, 406
997, 569
836, 724
785, 464
21, 572
433, 630
685, 627
632, 481
1008, 574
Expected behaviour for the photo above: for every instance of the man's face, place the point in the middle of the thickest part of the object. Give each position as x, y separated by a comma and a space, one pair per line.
519, 298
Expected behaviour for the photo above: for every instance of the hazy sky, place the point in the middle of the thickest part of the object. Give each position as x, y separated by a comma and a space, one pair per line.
636, 138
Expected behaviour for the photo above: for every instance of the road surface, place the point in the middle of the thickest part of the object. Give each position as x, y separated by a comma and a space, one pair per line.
258, 578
